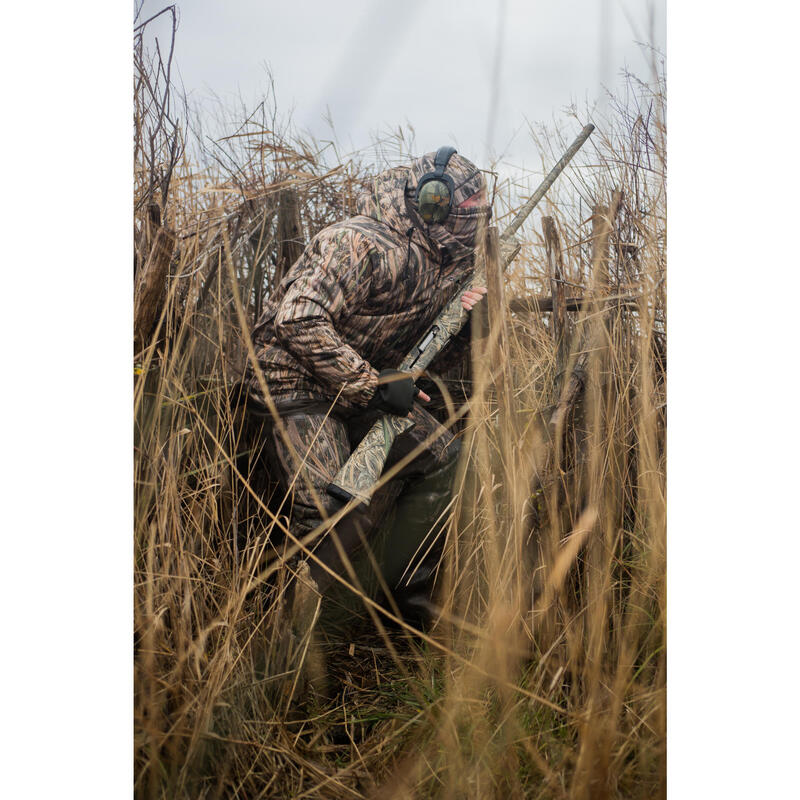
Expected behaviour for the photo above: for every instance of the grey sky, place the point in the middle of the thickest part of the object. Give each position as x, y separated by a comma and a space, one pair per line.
379, 63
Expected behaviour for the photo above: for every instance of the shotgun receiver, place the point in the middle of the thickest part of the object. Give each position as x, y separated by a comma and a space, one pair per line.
360, 473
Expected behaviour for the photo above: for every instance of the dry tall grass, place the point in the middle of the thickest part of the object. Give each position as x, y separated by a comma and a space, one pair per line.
546, 674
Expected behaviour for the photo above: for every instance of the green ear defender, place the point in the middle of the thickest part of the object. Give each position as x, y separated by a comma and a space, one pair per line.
435, 189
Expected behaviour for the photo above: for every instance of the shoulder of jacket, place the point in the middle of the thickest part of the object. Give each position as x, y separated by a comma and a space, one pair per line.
367, 240
340, 234
379, 235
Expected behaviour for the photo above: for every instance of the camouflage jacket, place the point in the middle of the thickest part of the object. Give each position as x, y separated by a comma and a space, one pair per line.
365, 289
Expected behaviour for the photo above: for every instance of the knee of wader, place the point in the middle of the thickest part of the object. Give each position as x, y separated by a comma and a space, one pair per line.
339, 545
436, 484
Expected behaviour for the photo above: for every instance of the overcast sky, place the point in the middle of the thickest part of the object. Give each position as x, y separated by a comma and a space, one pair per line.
381, 63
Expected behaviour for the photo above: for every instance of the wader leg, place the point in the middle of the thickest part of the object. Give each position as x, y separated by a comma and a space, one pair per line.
411, 549
416, 538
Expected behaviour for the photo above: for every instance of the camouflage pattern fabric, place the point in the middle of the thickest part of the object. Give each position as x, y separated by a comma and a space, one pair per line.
364, 290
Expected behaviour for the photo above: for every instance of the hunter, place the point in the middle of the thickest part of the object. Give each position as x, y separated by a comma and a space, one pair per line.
344, 316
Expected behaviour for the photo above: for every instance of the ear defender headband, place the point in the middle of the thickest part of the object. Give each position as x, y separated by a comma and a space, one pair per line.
436, 189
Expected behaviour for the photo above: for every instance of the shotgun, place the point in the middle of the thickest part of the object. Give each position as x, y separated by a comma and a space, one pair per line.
359, 474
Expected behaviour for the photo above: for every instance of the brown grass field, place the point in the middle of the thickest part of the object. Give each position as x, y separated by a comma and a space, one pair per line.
545, 676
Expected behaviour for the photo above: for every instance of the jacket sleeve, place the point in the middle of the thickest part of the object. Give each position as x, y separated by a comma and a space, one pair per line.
336, 276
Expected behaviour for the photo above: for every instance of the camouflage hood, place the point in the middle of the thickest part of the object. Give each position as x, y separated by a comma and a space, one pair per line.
391, 200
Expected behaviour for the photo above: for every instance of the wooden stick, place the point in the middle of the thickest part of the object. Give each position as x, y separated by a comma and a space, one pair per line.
289, 235
150, 285
559, 320
543, 303
602, 223
494, 281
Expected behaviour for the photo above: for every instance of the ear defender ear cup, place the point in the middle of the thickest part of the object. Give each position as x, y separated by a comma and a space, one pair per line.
435, 189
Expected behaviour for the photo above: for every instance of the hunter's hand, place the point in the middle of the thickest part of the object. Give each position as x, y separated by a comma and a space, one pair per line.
396, 392
471, 296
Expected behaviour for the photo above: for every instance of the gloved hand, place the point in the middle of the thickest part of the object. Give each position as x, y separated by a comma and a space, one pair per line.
395, 393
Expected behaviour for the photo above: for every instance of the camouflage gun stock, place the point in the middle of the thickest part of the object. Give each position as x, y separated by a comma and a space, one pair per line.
360, 473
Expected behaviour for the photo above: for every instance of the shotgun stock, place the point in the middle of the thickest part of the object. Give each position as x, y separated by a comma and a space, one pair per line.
360, 473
